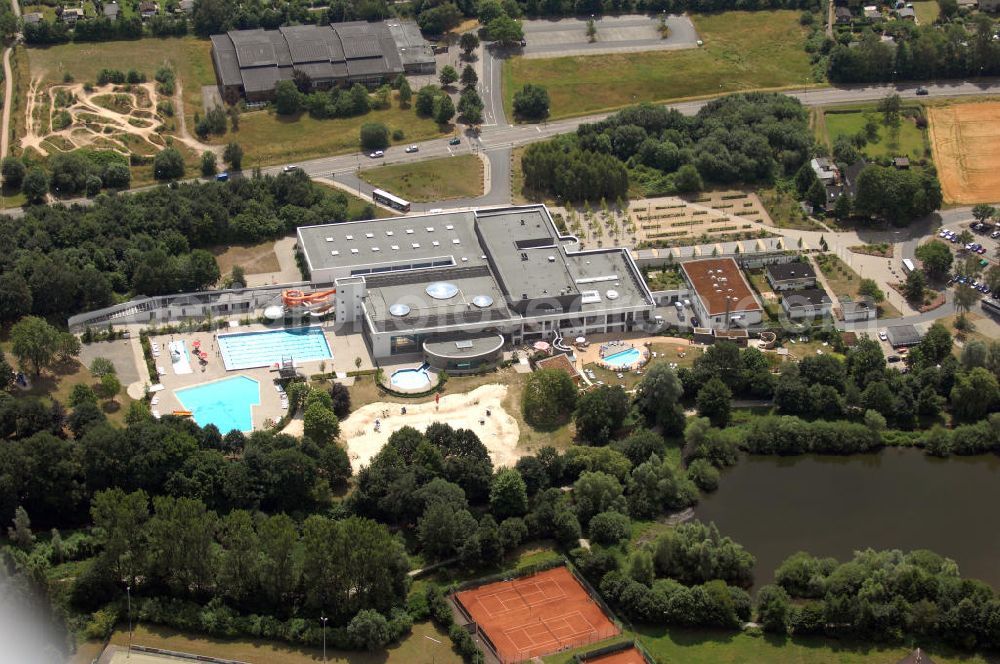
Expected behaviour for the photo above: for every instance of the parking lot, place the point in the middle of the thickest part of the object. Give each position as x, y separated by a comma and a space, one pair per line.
568, 36
982, 244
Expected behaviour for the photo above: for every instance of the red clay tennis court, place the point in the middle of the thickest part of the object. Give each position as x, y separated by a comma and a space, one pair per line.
630, 656
536, 615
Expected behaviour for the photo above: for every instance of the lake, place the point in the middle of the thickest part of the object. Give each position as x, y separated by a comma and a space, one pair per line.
832, 506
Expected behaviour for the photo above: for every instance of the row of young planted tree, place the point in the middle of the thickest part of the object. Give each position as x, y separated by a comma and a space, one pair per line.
59, 261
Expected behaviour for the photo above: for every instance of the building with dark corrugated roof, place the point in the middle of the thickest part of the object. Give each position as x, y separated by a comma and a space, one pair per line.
250, 63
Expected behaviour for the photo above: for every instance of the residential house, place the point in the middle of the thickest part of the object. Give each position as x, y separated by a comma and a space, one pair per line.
853, 311
873, 13
790, 276
71, 15
826, 170
111, 10
844, 15
901, 163
148, 9
907, 14
808, 303
33, 17
722, 297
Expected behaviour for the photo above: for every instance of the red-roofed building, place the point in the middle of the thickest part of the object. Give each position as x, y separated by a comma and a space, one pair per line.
723, 298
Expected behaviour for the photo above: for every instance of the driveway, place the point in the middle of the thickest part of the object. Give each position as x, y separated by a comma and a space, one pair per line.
568, 36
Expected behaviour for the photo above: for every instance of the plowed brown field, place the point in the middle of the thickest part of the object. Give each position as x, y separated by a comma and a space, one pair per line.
965, 139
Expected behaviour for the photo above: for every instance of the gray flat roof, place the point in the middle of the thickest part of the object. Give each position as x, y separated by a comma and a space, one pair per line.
412, 46
480, 253
463, 345
807, 297
789, 271
903, 335
364, 246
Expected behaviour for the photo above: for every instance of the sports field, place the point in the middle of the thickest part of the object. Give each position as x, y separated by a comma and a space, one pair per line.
965, 139
742, 51
536, 615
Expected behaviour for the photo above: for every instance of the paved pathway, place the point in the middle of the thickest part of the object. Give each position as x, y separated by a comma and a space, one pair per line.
8, 93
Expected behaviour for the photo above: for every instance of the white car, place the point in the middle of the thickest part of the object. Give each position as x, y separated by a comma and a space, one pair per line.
883, 336
290, 168
412, 148
378, 154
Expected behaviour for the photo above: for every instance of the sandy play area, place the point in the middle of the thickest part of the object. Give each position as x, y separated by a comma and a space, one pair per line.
499, 432
965, 139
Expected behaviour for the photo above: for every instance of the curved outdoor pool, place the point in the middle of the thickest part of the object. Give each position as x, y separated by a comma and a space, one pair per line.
411, 379
623, 358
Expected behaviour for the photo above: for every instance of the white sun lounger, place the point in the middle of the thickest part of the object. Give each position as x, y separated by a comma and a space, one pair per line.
156, 413
154, 401
161, 371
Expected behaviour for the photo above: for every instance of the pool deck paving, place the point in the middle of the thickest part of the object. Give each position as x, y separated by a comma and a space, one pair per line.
345, 347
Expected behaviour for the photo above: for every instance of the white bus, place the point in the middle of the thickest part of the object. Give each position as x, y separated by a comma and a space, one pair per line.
908, 266
395, 202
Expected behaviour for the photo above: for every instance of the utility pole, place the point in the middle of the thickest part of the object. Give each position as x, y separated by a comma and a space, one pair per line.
128, 592
324, 619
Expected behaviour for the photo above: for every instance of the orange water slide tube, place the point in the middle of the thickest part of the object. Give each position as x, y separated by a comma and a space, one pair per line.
294, 297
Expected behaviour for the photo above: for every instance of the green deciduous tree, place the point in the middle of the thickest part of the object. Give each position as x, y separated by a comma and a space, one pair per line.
508, 494
531, 102
715, 402
549, 399
936, 257
658, 394
600, 413
233, 155
287, 98
168, 164
374, 136
773, 609
914, 286
35, 185
34, 343
208, 163
869, 288
448, 75
468, 42
320, 424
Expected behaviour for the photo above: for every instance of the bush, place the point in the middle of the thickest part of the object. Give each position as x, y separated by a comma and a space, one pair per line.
369, 630
374, 136
704, 475
398, 135
609, 528
101, 624
549, 399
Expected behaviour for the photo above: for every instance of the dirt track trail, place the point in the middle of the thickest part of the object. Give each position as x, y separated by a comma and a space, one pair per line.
95, 125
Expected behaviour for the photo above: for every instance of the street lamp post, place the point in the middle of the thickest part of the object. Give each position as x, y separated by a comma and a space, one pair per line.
324, 619
128, 593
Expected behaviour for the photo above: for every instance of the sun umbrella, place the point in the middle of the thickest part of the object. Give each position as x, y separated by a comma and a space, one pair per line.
541, 345
581, 340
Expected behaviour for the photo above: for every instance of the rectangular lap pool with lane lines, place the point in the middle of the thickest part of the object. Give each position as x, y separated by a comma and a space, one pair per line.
247, 350
225, 403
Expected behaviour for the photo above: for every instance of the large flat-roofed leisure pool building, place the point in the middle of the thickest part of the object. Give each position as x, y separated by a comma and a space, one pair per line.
250, 63
723, 298
454, 285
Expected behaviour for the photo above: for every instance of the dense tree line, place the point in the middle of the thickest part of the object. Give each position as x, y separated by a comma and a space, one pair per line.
883, 596
54, 478
923, 52
742, 138
58, 261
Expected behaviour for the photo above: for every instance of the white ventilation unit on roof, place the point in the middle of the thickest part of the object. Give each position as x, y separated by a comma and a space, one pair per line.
435, 243
334, 253
329, 239
430, 229
394, 247
612, 294
369, 235
354, 251
449, 227
349, 237
389, 233
375, 249
415, 245
456, 241
409, 231
590, 297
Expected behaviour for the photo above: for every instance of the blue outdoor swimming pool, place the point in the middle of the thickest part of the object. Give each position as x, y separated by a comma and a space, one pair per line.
411, 379
623, 358
225, 403
245, 350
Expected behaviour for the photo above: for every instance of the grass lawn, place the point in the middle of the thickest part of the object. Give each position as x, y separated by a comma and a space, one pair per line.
785, 211
48, 12
57, 382
702, 646
927, 11
843, 280
434, 180
803, 349
742, 51
271, 139
912, 141
425, 644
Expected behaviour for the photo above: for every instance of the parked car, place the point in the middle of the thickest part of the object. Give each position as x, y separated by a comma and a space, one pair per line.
222, 177
378, 154
883, 335
995, 234
455, 141
893, 358
922, 91
981, 250
412, 148
290, 168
